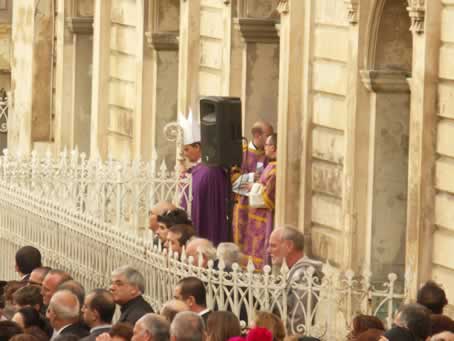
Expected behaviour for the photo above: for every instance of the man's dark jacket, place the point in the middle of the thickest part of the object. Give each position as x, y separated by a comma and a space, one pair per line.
132, 311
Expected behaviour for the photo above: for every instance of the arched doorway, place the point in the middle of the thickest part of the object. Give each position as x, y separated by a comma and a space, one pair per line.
386, 75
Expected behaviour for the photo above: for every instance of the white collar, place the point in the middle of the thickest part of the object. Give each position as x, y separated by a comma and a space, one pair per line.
100, 327
203, 312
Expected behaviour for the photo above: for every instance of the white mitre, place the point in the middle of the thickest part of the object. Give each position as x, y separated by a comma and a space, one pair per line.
191, 128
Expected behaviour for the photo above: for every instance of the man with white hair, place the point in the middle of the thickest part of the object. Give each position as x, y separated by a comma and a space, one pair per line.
64, 315
127, 287
230, 254
151, 327
201, 247
287, 244
187, 326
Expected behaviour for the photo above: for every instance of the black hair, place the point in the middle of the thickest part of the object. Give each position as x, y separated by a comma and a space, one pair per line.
28, 258
192, 286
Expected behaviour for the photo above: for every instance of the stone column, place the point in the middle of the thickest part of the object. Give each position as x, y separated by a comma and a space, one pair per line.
189, 56
164, 90
100, 79
388, 169
64, 77
260, 69
423, 121
289, 112
32, 37
82, 29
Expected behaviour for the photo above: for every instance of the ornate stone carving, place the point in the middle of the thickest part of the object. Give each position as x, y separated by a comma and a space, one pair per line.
255, 30
352, 10
283, 7
80, 25
417, 13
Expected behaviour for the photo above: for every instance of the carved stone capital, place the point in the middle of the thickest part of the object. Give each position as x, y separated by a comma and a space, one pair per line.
80, 25
283, 7
162, 41
352, 11
255, 30
416, 10
380, 81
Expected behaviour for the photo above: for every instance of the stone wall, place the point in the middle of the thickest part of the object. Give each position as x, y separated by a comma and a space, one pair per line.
443, 237
327, 107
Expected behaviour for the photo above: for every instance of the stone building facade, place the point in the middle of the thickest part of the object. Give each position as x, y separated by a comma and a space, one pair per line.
361, 93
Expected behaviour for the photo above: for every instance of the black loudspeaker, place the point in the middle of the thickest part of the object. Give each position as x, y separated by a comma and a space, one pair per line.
221, 133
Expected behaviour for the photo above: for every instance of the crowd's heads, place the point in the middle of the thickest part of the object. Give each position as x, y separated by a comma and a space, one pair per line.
64, 308
177, 237
159, 209
441, 323
76, 288
121, 332
171, 308
222, 325
191, 291
168, 219
285, 243
127, 283
230, 254
28, 296
98, 308
37, 276
362, 323
28, 317
412, 321
187, 326
433, 297
260, 131
201, 247
51, 283
271, 322
8, 329
151, 327
28, 258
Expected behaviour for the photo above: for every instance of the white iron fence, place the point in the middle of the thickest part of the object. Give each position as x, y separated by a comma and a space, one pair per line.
74, 210
113, 192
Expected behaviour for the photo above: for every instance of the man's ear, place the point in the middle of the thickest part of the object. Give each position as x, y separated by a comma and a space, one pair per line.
190, 301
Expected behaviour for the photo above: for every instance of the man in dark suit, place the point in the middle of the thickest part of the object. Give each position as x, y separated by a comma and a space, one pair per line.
64, 315
191, 291
127, 287
98, 311
28, 259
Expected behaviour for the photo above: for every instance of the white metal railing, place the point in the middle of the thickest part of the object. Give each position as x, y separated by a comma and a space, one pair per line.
46, 206
114, 192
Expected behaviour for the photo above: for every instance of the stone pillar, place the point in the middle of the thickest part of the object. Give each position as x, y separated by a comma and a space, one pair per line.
189, 56
422, 154
82, 29
164, 90
260, 70
388, 169
64, 78
32, 37
100, 79
289, 112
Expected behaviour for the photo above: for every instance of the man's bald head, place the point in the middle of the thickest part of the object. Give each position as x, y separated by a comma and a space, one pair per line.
159, 209
64, 308
260, 131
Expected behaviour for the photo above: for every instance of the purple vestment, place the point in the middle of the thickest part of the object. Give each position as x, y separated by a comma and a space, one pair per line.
210, 190
251, 156
261, 220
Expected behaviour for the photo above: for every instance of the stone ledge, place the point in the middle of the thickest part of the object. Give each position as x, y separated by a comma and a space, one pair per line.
385, 80
163, 41
80, 25
257, 30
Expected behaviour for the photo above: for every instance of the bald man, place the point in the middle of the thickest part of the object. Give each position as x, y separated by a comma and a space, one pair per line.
64, 315
254, 162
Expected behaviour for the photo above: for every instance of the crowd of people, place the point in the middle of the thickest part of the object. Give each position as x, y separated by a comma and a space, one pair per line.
48, 304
